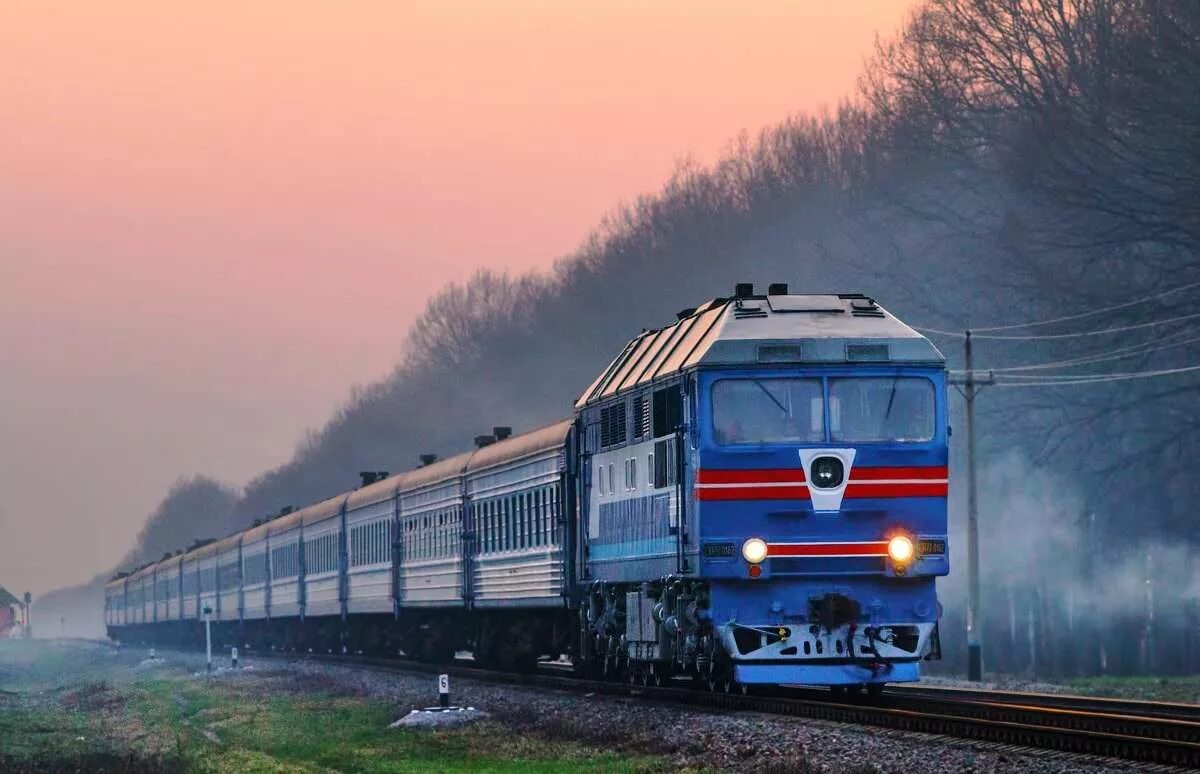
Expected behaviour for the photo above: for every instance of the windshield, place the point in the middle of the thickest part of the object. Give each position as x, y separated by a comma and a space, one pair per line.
890, 408
768, 411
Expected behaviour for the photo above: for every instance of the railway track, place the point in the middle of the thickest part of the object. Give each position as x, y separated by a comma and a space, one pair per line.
1161, 734
1100, 704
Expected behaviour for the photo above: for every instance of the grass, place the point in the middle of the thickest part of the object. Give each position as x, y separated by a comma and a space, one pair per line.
171, 721
1184, 689
226, 729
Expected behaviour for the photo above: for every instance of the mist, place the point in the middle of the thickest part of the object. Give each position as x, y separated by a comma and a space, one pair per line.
999, 163
1059, 597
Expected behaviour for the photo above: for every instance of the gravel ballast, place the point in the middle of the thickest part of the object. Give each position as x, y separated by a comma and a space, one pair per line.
690, 738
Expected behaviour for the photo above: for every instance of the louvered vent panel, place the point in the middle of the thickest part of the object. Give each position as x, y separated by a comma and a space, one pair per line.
612, 425
643, 418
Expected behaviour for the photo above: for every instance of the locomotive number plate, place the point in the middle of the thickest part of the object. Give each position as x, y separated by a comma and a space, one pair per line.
718, 550
927, 547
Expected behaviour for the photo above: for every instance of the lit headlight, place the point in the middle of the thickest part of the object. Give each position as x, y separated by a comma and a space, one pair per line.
754, 550
900, 549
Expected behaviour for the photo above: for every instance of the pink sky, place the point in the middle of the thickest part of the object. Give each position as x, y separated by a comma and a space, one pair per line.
217, 217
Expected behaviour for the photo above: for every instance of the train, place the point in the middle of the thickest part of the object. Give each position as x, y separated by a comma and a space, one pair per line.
754, 494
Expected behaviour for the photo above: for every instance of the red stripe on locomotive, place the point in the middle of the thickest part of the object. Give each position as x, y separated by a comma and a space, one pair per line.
827, 549
765, 492
876, 474
759, 476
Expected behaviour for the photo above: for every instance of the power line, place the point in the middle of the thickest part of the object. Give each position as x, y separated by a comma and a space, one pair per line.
1100, 357
1034, 337
1091, 313
1077, 377
971, 381
1052, 381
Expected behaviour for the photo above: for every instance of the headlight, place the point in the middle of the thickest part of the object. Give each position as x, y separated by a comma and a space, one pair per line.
754, 550
827, 472
900, 549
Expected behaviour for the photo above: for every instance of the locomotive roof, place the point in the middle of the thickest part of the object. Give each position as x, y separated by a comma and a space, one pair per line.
751, 330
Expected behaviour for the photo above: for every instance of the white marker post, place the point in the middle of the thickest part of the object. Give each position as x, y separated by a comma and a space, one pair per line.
208, 635
234, 655
444, 690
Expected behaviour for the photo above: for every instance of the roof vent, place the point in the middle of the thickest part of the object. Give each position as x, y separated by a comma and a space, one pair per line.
500, 433
780, 353
743, 290
371, 476
777, 289
484, 440
741, 311
683, 314
868, 353
428, 459
865, 307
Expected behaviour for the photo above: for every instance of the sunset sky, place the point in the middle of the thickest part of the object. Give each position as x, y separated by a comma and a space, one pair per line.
215, 218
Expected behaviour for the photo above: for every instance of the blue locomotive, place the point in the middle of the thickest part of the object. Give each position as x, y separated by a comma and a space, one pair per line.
753, 494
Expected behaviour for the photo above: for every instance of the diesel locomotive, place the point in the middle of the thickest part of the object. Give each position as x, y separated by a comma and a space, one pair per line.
753, 494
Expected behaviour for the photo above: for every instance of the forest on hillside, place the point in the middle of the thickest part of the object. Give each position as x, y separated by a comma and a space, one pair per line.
1003, 162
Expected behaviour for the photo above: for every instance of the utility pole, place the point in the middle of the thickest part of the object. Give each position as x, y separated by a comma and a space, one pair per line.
970, 386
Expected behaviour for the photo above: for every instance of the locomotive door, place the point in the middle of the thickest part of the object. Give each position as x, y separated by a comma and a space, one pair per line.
681, 563
589, 525
683, 441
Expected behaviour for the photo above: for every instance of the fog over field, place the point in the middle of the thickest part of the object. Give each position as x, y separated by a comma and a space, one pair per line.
997, 164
